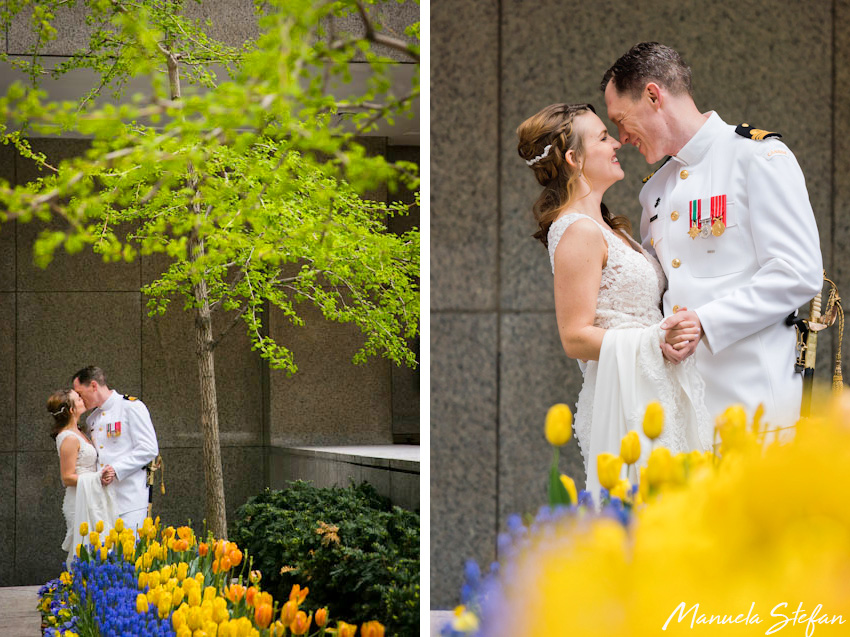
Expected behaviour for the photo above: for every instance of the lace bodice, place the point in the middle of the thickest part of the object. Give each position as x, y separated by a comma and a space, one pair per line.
632, 282
86, 456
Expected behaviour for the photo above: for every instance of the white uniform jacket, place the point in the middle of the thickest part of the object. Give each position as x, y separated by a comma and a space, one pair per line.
124, 437
744, 282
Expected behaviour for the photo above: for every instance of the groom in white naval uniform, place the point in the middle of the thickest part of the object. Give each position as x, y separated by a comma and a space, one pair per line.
122, 432
729, 218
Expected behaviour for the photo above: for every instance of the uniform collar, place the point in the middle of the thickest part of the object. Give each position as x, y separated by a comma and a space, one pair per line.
109, 402
699, 144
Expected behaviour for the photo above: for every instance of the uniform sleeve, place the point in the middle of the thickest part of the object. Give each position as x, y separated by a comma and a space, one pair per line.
785, 236
645, 234
144, 447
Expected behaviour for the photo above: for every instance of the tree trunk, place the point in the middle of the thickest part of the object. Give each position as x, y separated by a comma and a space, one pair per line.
214, 508
213, 477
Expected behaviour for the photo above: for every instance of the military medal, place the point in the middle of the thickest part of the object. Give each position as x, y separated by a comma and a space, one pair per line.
109, 430
694, 215
717, 228
116, 430
705, 232
718, 215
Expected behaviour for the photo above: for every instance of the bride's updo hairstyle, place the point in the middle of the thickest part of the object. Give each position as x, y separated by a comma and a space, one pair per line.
60, 405
554, 127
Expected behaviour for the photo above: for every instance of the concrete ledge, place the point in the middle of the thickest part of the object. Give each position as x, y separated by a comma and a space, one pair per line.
392, 469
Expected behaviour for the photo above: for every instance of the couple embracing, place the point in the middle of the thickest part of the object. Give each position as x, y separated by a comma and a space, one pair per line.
103, 464
693, 316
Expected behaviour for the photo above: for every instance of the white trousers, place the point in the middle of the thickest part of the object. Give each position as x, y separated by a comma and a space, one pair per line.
134, 519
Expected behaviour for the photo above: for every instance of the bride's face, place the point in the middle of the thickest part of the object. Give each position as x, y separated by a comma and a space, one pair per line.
600, 164
79, 405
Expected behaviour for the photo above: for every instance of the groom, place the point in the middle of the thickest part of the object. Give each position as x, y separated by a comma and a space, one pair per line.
728, 216
122, 432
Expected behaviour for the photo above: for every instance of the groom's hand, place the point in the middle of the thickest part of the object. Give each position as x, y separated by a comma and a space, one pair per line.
108, 475
683, 331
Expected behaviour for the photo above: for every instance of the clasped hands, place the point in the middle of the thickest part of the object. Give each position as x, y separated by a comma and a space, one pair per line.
108, 475
682, 333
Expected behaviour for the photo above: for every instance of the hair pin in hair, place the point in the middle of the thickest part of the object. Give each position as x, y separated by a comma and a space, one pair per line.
56, 413
534, 160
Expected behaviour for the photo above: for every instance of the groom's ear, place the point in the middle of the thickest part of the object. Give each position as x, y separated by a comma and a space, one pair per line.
652, 92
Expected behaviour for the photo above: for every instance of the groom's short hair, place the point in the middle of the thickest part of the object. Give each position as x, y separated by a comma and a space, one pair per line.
87, 374
649, 62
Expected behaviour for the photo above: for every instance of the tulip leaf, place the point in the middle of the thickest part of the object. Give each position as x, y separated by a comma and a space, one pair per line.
558, 494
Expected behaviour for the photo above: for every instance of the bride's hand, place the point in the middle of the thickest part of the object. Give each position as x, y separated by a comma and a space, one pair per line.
682, 335
107, 475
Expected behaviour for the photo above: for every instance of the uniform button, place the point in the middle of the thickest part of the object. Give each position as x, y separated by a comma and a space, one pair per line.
674, 215
683, 174
676, 263
101, 446
675, 309
652, 242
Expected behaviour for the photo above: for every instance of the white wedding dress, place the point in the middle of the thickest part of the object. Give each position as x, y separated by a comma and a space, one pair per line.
631, 371
89, 501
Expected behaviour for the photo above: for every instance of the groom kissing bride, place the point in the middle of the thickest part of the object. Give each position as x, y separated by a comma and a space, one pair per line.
729, 248
103, 464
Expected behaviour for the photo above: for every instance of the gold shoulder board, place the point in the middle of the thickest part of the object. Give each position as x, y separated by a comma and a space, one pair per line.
745, 130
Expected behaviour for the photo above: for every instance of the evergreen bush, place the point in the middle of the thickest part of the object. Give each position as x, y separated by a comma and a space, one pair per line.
358, 554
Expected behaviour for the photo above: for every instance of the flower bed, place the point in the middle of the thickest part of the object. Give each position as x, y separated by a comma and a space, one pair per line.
753, 540
166, 583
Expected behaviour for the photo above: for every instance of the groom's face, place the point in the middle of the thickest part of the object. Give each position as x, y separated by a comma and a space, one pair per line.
87, 392
636, 121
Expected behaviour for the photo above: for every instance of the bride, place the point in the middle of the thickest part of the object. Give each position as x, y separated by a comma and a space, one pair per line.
607, 293
86, 500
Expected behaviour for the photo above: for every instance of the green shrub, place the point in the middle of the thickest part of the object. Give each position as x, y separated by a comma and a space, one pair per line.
358, 554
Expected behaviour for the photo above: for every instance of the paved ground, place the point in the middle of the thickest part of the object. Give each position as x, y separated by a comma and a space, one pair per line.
19, 618
438, 619
18, 614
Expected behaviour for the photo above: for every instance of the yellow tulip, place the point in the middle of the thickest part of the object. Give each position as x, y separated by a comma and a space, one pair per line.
99, 526
194, 598
372, 629
103, 553
321, 617
345, 630
630, 448
559, 421
287, 612
119, 525
94, 538
464, 621
84, 529
608, 469
659, 467
653, 420
164, 605
570, 486
622, 490
141, 603
194, 618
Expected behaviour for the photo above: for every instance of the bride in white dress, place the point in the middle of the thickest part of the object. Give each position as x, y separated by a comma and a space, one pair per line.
86, 500
607, 293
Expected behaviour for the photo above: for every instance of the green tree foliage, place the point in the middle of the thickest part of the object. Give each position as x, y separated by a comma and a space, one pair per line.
240, 165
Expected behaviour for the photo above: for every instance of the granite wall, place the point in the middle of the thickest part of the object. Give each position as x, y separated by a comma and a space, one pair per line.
80, 311
496, 359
